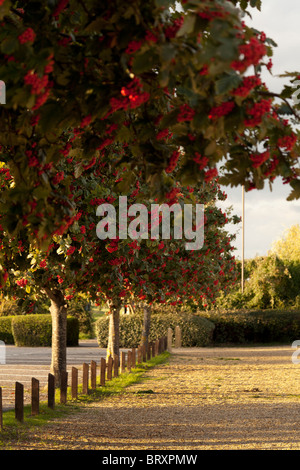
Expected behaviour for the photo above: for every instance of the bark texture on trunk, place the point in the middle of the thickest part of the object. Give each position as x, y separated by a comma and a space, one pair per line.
58, 310
146, 326
113, 346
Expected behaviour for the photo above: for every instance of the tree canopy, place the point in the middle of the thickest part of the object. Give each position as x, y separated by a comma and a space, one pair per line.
156, 78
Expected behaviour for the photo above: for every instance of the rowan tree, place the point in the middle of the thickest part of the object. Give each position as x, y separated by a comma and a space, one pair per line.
95, 73
176, 85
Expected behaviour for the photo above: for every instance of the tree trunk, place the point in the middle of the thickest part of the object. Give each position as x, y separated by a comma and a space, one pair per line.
113, 346
146, 326
58, 310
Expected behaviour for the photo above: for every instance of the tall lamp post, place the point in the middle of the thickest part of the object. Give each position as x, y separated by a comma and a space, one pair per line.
243, 236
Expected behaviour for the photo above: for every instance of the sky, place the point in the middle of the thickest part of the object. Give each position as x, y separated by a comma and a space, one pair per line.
268, 214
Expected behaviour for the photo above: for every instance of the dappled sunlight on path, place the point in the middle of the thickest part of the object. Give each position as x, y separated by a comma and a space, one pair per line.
205, 398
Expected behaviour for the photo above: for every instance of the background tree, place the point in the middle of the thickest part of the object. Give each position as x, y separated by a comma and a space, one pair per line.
166, 273
288, 246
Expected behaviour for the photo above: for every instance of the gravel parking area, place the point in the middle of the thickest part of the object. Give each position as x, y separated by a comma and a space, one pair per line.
203, 399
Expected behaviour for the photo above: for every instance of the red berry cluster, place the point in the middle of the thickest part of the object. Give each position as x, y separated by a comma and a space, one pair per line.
248, 84
287, 142
201, 160
186, 113
257, 112
27, 36
221, 110
260, 158
132, 97
251, 54
211, 174
173, 161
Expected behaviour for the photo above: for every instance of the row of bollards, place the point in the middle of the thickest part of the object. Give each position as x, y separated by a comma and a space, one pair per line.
108, 369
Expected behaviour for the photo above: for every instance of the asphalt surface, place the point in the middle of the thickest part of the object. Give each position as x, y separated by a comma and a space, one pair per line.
20, 364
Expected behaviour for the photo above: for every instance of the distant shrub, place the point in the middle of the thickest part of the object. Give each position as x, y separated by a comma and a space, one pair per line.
195, 330
36, 330
259, 326
80, 308
6, 334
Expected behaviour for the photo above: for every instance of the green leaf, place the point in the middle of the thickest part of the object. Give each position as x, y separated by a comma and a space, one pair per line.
295, 194
227, 83
188, 25
164, 3
5, 8
144, 62
9, 45
168, 52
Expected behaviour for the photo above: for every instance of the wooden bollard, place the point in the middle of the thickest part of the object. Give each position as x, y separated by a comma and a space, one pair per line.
1, 410
74, 383
102, 371
129, 354
116, 365
35, 396
156, 347
85, 378
177, 337
19, 402
93, 374
51, 391
109, 368
122, 362
63, 387
153, 349
148, 351
139, 354
133, 358
170, 339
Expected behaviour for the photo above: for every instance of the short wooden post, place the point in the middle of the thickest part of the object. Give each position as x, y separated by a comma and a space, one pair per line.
35, 396
129, 354
51, 391
148, 351
63, 387
133, 358
102, 371
85, 378
19, 402
177, 337
1, 410
157, 347
139, 354
93, 374
122, 362
153, 349
116, 365
170, 339
74, 383
109, 368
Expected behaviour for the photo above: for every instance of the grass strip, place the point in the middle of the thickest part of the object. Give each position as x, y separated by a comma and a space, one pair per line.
13, 429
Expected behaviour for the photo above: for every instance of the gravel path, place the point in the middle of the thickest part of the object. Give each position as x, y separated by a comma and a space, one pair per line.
203, 399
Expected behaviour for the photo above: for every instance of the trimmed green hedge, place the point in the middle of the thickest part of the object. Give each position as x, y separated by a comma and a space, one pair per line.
6, 333
35, 330
195, 330
259, 326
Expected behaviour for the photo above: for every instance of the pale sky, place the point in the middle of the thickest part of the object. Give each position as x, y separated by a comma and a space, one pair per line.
268, 214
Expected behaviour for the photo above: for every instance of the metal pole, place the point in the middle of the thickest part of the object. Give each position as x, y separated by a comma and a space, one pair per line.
243, 235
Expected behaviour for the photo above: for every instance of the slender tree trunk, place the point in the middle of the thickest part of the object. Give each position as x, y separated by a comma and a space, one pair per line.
58, 310
113, 346
146, 326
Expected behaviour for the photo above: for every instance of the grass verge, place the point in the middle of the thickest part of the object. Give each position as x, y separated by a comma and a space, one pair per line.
13, 429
